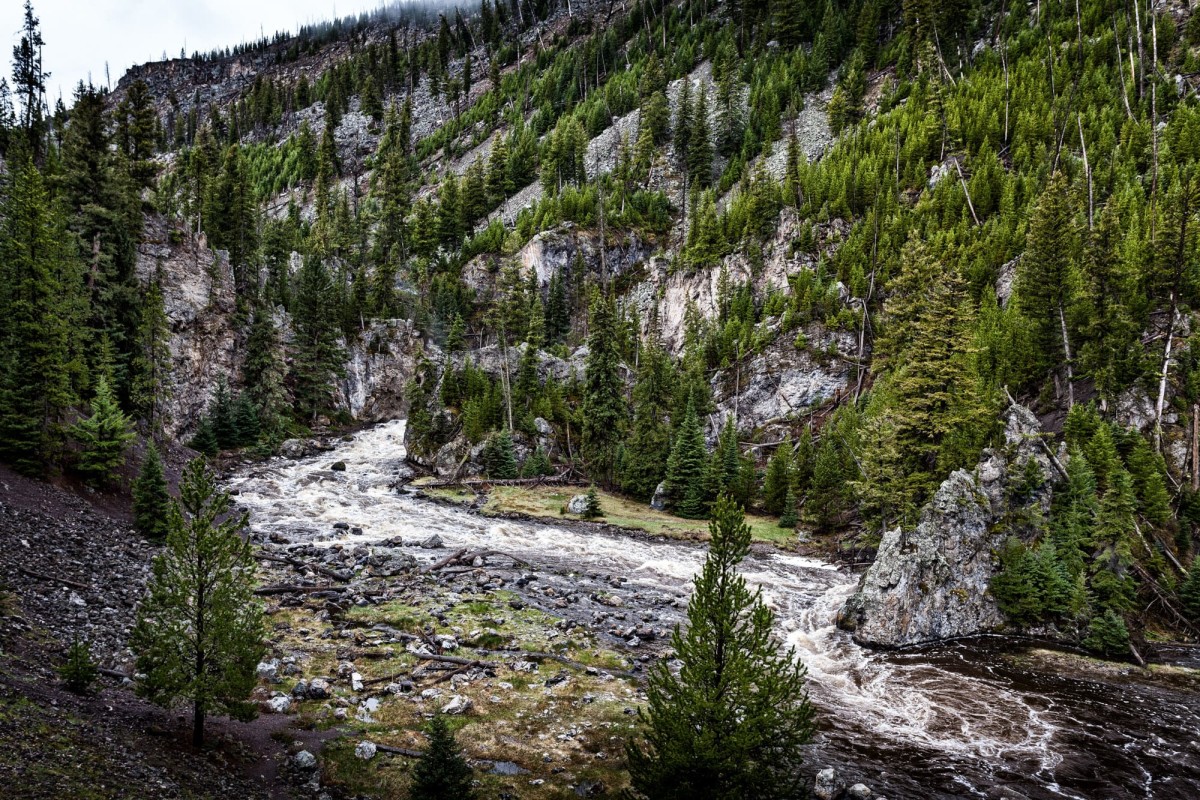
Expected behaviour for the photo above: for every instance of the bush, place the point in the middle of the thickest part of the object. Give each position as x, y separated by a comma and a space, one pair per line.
1108, 635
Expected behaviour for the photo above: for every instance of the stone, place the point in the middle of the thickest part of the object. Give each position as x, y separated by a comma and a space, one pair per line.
356, 682
859, 791
338, 466
268, 670
365, 750
458, 705
433, 543
304, 760
659, 501
280, 704
826, 786
578, 504
931, 583
300, 690
318, 689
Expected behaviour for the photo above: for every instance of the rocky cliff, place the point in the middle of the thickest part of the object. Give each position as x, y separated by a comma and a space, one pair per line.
931, 583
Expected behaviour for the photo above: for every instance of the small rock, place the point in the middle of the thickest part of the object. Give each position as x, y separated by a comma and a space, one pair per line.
338, 466
77, 601
341, 526
280, 704
859, 791
433, 543
659, 501
457, 705
268, 670
356, 682
304, 760
825, 787
365, 750
318, 689
578, 504
300, 690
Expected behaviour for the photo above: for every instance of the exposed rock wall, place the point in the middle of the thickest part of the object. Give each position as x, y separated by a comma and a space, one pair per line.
931, 583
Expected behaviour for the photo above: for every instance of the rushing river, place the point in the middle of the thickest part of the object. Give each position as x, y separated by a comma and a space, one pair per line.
967, 719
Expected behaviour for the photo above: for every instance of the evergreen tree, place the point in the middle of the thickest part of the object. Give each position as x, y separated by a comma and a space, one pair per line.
199, 631
732, 721
1108, 635
700, 150
221, 413
558, 312
318, 355
681, 131
827, 493
264, 375
103, 437
687, 467
151, 500
779, 480
204, 441
499, 461
788, 517
79, 672
151, 363
1189, 593
592, 509
442, 773
604, 412
642, 467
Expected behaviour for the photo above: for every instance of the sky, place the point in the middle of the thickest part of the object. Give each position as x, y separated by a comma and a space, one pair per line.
82, 35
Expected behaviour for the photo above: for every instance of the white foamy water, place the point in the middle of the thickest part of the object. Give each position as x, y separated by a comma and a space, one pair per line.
908, 715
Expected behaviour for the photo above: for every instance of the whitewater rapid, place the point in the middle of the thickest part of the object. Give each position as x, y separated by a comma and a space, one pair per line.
954, 721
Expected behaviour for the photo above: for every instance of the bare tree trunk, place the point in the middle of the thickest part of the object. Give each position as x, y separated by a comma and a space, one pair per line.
966, 191
1141, 53
1195, 447
1062, 319
1162, 378
1087, 171
1121, 77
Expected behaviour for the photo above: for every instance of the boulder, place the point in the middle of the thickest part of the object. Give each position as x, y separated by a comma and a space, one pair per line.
318, 689
659, 501
931, 583
458, 705
305, 761
433, 543
826, 786
268, 670
365, 750
280, 704
859, 791
578, 504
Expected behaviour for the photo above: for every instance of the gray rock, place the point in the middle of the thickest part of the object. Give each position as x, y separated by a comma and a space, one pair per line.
304, 760
859, 791
300, 690
338, 466
578, 504
268, 670
433, 543
389, 563
318, 689
458, 705
659, 501
826, 786
280, 704
365, 750
931, 583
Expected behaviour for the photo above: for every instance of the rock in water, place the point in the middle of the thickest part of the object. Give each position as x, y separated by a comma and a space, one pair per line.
578, 504
931, 583
433, 543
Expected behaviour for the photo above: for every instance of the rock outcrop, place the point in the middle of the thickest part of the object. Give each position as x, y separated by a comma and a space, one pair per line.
931, 583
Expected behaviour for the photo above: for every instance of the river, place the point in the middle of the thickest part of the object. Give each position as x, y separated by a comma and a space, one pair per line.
965, 719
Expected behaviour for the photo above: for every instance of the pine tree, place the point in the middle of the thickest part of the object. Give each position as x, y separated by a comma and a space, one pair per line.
103, 437
1189, 593
1108, 635
700, 150
264, 375
591, 509
199, 630
681, 131
318, 355
498, 458
687, 467
442, 773
151, 362
779, 480
604, 412
151, 500
730, 723
788, 517
827, 492
221, 413
204, 441
79, 672
558, 312
642, 467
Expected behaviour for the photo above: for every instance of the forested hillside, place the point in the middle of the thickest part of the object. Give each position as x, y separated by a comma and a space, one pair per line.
810, 250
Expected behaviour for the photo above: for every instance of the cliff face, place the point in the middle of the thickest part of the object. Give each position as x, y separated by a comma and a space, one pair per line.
931, 583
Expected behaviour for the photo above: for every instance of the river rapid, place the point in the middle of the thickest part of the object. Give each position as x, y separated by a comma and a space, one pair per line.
982, 718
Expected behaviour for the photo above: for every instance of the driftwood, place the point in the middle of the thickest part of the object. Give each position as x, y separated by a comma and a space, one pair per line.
296, 563
534, 656
450, 559
294, 589
468, 662
112, 673
466, 555
52, 578
561, 479
399, 751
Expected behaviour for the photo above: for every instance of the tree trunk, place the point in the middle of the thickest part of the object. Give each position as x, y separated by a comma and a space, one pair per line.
1195, 447
197, 725
1162, 380
1062, 319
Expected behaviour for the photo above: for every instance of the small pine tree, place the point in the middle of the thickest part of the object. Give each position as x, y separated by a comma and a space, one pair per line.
443, 773
205, 441
778, 480
787, 517
79, 670
1189, 593
498, 458
103, 437
592, 510
151, 501
222, 414
1108, 635
730, 723
199, 631
687, 467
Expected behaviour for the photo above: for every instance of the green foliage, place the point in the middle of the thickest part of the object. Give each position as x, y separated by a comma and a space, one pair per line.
686, 467
1108, 635
103, 438
604, 410
1189, 594
151, 500
498, 459
592, 509
442, 773
731, 723
79, 670
199, 630
779, 481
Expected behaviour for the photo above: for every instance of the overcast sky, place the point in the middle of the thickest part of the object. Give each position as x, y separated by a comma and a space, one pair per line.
81, 35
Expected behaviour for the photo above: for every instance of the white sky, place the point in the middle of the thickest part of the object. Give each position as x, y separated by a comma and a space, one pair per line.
81, 35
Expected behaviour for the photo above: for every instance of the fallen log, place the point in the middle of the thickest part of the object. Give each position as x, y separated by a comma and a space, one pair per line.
263, 591
53, 578
579, 665
445, 676
450, 559
296, 563
469, 662
112, 673
399, 751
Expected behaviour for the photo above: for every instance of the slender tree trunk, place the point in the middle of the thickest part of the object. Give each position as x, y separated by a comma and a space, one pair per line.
1062, 319
1162, 378
197, 725
1195, 447
1141, 53
1088, 171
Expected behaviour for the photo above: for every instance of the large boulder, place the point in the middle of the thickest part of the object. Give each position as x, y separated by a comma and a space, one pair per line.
931, 583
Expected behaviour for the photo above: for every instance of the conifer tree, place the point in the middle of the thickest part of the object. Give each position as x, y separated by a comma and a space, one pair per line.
827, 491
103, 437
700, 150
788, 517
318, 359
604, 412
151, 364
687, 467
779, 480
642, 467
199, 631
151, 500
442, 773
681, 131
1189, 593
498, 458
730, 723
264, 375
591, 509
1108, 635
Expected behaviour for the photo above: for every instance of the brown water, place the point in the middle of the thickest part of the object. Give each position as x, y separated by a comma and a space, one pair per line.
963, 719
